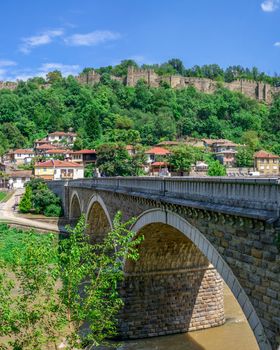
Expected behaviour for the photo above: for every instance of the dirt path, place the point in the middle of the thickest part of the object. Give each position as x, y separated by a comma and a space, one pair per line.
9, 215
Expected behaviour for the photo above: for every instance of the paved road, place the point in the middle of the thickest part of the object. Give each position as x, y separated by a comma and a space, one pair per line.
7, 214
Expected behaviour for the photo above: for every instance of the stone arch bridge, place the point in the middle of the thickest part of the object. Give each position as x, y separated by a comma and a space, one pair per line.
198, 232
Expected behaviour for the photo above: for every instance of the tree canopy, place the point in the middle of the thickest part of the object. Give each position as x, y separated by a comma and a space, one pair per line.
112, 112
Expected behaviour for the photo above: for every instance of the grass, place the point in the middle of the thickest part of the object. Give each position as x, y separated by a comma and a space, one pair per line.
12, 239
2, 196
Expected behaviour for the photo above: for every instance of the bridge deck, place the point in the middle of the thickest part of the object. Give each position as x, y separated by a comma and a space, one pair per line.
250, 197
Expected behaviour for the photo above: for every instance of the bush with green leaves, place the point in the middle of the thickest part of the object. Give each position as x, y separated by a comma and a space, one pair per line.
25, 204
215, 168
39, 199
53, 210
61, 286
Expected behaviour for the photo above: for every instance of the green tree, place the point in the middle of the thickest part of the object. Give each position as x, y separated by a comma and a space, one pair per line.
251, 139
25, 204
54, 76
244, 157
215, 168
89, 169
93, 127
183, 157
62, 287
40, 199
113, 160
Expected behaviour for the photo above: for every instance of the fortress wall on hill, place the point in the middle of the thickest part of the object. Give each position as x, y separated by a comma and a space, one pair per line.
256, 90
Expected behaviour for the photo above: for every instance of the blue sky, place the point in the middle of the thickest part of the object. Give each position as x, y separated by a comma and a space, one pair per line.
38, 36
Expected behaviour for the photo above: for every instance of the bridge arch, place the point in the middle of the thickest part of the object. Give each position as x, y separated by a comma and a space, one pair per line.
98, 220
176, 222
75, 208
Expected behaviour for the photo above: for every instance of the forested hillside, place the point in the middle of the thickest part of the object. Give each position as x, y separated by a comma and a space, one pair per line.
110, 111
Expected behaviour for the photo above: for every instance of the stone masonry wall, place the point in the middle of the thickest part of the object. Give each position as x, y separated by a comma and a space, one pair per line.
256, 90
171, 288
160, 304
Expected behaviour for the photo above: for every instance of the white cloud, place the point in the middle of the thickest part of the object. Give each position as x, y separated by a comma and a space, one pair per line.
65, 69
7, 63
277, 44
27, 73
270, 5
138, 59
92, 39
38, 40
2, 74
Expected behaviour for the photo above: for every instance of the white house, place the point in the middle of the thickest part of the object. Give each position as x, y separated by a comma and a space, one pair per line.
58, 136
18, 178
20, 156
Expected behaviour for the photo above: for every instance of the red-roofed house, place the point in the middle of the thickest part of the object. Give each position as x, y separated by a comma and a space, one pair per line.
155, 154
52, 153
159, 169
44, 147
59, 136
41, 142
58, 169
266, 163
85, 156
20, 156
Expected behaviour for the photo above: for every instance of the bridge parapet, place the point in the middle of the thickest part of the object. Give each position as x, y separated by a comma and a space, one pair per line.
253, 197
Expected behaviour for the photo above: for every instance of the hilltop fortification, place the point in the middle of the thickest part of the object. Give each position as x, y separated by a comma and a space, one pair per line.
8, 85
256, 90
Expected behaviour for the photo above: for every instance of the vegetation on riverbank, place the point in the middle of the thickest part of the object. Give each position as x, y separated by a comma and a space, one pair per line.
2, 196
50, 288
40, 200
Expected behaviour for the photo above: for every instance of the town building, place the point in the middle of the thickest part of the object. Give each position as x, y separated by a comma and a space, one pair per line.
157, 154
18, 178
20, 156
84, 156
266, 163
57, 138
210, 144
57, 153
225, 151
41, 142
44, 147
61, 136
159, 169
58, 170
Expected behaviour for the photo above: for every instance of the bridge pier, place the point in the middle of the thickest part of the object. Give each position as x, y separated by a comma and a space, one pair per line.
172, 288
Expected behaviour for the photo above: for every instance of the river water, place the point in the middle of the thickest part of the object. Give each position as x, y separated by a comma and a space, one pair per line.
235, 334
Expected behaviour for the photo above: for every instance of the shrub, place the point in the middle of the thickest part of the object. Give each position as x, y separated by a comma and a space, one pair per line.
25, 204
53, 210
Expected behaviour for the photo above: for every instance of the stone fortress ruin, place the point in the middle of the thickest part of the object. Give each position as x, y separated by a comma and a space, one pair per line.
256, 90
260, 91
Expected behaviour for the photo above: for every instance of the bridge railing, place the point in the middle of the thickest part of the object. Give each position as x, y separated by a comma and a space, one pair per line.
243, 193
